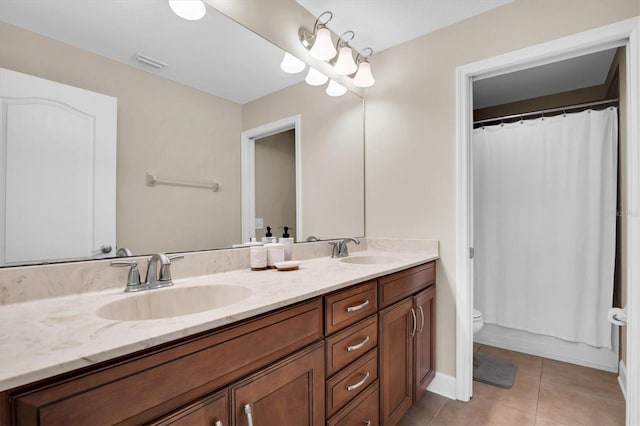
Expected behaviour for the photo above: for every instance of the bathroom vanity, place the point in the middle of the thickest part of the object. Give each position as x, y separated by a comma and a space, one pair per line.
358, 351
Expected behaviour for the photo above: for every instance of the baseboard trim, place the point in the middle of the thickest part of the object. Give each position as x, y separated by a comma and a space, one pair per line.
443, 385
622, 378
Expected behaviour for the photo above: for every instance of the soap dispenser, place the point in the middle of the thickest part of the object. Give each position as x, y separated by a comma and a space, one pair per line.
288, 243
268, 237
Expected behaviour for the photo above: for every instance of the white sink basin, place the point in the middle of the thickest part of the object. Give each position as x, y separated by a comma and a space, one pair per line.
369, 259
173, 302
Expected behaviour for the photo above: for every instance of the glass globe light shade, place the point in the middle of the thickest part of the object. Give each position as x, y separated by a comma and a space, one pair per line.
363, 77
345, 64
323, 46
336, 89
292, 65
315, 77
191, 10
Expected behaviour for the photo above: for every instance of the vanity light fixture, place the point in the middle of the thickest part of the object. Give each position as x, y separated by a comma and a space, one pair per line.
345, 65
191, 10
292, 65
315, 77
335, 89
319, 41
363, 77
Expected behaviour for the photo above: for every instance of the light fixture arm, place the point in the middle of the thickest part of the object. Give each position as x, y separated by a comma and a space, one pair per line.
342, 42
360, 57
306, 37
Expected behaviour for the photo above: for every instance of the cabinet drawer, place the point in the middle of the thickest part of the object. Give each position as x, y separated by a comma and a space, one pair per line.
364, 410
351, 381
351, 343
146, 386
397, 286
350, 306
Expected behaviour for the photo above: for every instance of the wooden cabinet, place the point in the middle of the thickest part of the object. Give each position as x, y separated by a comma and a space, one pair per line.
144, 386
351, 325
361, 411
336, 360
290, 392
406, 340
424, 347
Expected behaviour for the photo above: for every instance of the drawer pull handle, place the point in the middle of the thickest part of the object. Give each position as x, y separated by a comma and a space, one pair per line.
217, 423
367, 422
247, 412
358, 307
358, 346
415, 322
360, 383
421, 319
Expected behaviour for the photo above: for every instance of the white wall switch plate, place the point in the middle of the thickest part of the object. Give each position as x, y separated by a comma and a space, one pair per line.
259, 223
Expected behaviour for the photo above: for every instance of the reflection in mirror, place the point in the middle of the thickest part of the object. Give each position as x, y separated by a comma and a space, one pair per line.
184, 119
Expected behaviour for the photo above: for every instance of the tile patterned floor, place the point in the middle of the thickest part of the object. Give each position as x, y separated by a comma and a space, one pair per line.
545, 392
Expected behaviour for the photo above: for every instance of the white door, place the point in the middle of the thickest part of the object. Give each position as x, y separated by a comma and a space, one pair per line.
58, 165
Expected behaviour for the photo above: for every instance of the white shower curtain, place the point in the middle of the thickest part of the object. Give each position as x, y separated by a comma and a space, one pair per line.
544, 224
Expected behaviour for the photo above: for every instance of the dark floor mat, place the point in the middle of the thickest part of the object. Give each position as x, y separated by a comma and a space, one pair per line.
493, 371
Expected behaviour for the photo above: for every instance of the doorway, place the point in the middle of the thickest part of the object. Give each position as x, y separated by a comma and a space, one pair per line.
249, 176
625, 34
275, 184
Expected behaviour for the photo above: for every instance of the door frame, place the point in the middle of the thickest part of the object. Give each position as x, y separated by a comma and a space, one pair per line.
623, 33
248, 172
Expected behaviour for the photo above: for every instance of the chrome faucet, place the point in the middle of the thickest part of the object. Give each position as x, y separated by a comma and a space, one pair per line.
124, 252
340, 248
154, 279
157, 279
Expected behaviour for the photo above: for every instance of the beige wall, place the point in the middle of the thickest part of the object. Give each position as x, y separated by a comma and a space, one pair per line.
275, 158
163, 127
410, 125
332, 155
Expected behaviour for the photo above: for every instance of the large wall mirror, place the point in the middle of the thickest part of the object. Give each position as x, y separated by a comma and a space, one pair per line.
186, 91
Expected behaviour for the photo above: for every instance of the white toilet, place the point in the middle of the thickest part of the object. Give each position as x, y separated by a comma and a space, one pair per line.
478, 322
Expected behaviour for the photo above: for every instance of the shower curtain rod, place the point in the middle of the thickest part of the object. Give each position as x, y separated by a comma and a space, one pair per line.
547, 111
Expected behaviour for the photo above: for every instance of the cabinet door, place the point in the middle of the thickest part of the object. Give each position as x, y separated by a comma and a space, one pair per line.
211, 411
397, 325
424, 304
290, 392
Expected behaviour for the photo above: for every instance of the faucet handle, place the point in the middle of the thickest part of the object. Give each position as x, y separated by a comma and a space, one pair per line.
165, 269
133, 279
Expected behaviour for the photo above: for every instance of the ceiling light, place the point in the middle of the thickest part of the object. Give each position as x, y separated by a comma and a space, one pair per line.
336, 89
191, 10
315, 77
345, 64
363, 77
319, 41
291, 64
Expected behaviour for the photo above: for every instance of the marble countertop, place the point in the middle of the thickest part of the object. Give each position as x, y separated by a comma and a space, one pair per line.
43, 338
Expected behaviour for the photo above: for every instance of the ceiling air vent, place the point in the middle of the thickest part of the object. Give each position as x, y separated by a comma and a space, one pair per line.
150, 62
